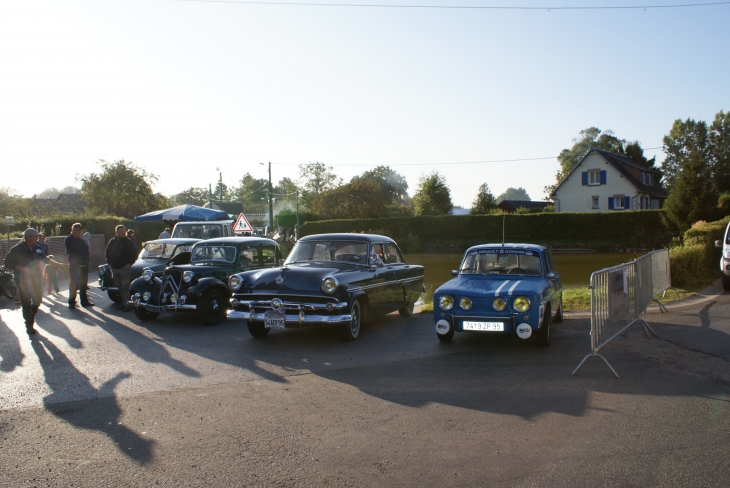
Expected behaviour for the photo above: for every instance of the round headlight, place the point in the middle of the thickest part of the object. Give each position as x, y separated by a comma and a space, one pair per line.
188, 276
173, 298
465, 303
234, 282
446, 302
499, 304
146, 296
329, 284
147, 274
521, 304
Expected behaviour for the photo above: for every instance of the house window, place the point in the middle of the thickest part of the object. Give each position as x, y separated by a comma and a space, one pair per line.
594, 176
647, 179
642, 178
618, 202
595, 201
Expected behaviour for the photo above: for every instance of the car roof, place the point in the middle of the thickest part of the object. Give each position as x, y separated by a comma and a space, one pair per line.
508, 245
348, 237
176, 241
251, 241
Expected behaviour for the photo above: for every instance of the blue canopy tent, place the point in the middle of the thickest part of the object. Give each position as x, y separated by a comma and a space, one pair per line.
183, 213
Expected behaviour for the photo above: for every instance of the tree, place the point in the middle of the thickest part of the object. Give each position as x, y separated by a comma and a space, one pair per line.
393, 186
433, 196
514, 194
720, 151
285, 191
635, 152
688, 173
221, 192
121, 189
359, 199
316, 178
51, 192
253, 193
191, 196
484, 201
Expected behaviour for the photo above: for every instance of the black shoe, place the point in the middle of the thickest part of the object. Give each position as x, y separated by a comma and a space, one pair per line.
87, 304
72, 306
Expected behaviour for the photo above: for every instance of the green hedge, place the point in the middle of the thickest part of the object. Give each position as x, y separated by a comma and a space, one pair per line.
696, 262
641, 227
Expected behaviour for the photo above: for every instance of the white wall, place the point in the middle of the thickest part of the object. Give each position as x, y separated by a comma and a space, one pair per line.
574, 197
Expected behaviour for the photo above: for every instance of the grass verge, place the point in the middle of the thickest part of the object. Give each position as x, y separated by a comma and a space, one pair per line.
579, 299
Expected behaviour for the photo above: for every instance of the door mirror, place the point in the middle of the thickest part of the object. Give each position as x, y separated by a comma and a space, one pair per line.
552, 276
454, 272
718, 244
281, 262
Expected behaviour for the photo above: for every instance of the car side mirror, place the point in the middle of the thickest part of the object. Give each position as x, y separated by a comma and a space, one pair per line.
552, 275
281, 262
718, 244
454, 272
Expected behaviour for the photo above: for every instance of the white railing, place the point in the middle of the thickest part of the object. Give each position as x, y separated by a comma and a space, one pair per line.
621, 294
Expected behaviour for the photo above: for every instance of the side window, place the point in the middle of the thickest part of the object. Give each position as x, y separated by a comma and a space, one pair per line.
393, 253
549, 262
248, 257
378, 253
268, 256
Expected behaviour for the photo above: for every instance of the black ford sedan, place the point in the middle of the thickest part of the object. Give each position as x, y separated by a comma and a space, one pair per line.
195, 281
328, 279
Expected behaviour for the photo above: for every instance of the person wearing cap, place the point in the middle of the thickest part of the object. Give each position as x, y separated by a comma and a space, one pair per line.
26, 259
50, 271
78, 267
165, 234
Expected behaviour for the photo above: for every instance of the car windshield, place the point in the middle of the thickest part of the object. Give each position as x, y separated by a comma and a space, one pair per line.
350, 251
161, 250
198, 231
502, 260
213, 254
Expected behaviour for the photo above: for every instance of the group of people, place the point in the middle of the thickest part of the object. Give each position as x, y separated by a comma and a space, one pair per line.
30, 262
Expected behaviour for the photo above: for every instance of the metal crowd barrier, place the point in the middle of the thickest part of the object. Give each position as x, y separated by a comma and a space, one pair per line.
621, 294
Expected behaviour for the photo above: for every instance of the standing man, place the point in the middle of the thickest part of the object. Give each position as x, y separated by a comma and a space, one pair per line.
78, 267
121, 253
165, 234
26, 260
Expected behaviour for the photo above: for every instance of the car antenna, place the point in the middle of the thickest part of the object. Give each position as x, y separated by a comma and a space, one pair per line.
503, 217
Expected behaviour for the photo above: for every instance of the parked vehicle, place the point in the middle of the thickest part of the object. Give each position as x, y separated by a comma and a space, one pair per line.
203, 230
154, 255
328, 280
725, 258
195, 281
7, 283
501, 289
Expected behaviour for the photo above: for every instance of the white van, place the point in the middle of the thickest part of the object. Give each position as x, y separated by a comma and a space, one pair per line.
203, 230
725, 259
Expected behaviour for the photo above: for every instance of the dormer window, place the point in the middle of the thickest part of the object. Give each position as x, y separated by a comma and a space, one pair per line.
647, 179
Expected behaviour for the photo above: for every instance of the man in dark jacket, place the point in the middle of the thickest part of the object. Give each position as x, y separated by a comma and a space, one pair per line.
121, 253
78, 266
26, 259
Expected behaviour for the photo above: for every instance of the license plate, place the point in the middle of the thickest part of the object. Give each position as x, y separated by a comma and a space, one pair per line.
153, 308
486, 326
274, 320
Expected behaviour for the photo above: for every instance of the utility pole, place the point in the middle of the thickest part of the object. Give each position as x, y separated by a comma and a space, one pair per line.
271, 204
297, 213
220, 188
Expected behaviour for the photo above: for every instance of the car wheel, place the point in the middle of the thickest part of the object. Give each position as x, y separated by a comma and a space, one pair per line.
406, 311
726, 282
211, 309
114, 296
10, 292
144, 315
559, 315
351, 330
542, 337
257, 329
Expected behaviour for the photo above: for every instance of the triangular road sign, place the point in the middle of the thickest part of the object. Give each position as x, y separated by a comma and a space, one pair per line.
242, 225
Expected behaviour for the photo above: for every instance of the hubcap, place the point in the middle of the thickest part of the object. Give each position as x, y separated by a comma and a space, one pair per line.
214, 306
355, 323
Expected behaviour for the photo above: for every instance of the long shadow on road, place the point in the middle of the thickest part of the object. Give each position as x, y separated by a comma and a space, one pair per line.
10, 354
101, 414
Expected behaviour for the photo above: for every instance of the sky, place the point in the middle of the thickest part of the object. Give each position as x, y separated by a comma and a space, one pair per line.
187, 89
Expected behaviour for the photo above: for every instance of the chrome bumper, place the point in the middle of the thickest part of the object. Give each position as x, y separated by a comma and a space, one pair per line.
294, 319
108, 288
169, 308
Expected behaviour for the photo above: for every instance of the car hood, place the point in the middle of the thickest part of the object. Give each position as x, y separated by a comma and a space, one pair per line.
481, 286
293, 278
154, 264
202, 270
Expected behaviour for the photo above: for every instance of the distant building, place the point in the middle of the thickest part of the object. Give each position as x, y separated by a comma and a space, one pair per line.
510, 206
459, 211
608, 182
63, 203
231, 208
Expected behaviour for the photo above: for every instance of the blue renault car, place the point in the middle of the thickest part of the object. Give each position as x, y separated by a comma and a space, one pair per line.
501, 289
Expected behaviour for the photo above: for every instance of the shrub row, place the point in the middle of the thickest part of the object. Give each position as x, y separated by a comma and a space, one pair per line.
696, 261
640, 227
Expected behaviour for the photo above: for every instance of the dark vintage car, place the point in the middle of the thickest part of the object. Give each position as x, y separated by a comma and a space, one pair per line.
195, 281
328, 279
501, 289
154, 255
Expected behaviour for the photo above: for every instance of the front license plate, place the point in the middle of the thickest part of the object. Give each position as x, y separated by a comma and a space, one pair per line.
274, 320
153, 308
485, 326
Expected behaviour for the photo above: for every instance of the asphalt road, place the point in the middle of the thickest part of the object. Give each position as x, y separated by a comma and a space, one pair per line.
97, 399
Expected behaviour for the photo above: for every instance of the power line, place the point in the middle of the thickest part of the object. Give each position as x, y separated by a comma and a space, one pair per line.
461, 7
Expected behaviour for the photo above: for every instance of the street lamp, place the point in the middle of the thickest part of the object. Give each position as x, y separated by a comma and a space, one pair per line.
271, 205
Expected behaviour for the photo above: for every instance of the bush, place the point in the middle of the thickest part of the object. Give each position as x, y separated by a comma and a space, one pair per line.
695, 262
